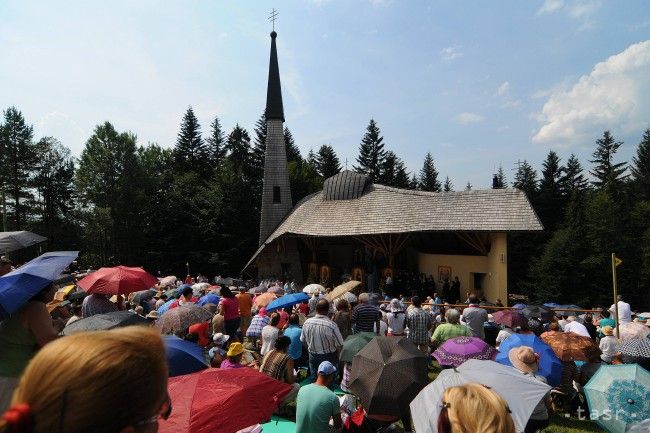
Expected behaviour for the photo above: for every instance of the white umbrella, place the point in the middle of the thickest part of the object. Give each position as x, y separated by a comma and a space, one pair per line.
198, 287
12, 241
522, 393
632, 330
168, 281
313, 288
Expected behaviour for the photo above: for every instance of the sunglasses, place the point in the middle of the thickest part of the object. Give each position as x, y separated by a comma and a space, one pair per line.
164, 413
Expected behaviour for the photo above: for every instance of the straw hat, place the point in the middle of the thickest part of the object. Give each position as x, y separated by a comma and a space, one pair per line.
153, 315
235, 349
607, 330
523, 358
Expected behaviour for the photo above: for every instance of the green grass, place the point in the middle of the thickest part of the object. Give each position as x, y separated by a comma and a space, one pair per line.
559, 423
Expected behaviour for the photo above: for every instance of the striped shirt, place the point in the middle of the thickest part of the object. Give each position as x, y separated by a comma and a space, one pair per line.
419, 322
365, 318
274, 364
255, 328
321, 335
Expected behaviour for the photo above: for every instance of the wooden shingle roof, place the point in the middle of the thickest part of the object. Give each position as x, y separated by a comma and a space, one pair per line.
382, 210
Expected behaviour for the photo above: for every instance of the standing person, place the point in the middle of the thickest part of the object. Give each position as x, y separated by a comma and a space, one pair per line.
293, 331
591, 328
475, 317
245, 309
524, 359
454, 291
21, 336
113, 381
312, 303
343, 318
322, 338
451, 329
396, 318
366, 317
419, 323
317, 404
624, 311
270, 333
229, 309
254, 332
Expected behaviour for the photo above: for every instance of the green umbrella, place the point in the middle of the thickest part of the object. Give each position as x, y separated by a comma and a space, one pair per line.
354, 343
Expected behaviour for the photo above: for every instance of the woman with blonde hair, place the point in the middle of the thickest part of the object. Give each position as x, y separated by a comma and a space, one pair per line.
95, 382
474, 408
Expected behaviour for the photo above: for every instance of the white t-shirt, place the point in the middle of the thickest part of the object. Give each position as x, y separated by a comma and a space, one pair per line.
576, 328
624, 312
503, 334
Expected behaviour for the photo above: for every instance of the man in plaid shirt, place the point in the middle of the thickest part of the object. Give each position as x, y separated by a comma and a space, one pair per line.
419, 322
254, 332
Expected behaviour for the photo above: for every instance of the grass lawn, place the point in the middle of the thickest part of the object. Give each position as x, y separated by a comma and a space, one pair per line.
559, 424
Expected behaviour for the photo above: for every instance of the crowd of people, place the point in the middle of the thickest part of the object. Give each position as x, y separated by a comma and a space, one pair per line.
69, 381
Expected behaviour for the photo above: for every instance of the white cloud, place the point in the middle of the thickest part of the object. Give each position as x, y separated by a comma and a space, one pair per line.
467, 118
584, 8
612, 96
503, 89
451, 53
550, 6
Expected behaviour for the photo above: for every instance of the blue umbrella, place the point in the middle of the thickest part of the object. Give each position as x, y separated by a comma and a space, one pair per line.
18, 286
551, 305
210, 298
519, 306
179, 290
287, 301
183, 357
619, 397
164, 307
549, 364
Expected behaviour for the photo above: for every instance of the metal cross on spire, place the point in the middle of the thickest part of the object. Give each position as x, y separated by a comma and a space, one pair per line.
273, 17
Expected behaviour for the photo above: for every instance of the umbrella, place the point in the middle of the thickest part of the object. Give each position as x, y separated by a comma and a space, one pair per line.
19, 285
119, 280
522, 393
349, 296
143, 295
199, 287
633, 330
387, 374
538, 312
12, 241
166, 306
354, 343
264, 299
552, 305
180, 318
510, 318
103, 322
313, 288
560, 310
179, 290
519, 306
77, 296
457, 350
167, 281
183, 357
210, 298
569, 346
341, 290
276, 290
222, 401
287, 301
635, 348
549, 364
619, 397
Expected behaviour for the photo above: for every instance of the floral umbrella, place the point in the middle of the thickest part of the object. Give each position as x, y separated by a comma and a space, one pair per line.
177, 320
457, 350
569, 346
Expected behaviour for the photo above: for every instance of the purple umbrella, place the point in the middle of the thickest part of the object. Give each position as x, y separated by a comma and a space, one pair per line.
457, 350
276, 290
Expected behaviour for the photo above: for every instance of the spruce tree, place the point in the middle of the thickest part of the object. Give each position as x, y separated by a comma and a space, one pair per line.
238, 145
191, 153
215, 143
573, 180
550, 199
326, 162
293, 153
607, 174
641, 166
499, 181
371, 153
429, 175
526, 179
448, 186
415, 182
258, 152
393, 172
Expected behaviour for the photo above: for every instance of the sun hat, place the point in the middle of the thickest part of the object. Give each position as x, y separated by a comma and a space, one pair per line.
326, 368
607, 330
235, 349
523, 358
220, 338
152, 315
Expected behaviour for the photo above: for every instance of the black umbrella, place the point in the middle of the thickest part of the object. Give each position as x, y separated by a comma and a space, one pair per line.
387, 374
77, 296
537, 312
102, 322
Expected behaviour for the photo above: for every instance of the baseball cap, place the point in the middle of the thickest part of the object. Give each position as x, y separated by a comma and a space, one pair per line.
326, 368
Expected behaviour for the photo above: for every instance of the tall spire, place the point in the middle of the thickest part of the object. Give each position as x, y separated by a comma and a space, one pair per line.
274, 108
276, 190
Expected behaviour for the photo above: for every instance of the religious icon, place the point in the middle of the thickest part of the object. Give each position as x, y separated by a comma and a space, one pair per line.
325, 274
357, 274
444, 273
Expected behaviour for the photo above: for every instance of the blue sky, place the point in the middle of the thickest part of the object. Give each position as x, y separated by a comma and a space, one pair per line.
477, 83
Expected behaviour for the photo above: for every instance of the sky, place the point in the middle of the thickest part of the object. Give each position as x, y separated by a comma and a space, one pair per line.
477, 83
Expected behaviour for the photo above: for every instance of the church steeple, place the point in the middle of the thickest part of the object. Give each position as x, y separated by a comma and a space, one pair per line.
274, 108
276, 191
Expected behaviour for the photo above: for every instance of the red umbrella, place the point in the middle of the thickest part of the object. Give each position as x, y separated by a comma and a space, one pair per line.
510, 318
120, 280
221, 401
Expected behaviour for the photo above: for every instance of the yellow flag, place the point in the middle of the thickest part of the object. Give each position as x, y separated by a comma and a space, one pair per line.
617, 261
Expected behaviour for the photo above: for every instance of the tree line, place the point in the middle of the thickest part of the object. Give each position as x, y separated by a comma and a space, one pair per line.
198, 202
